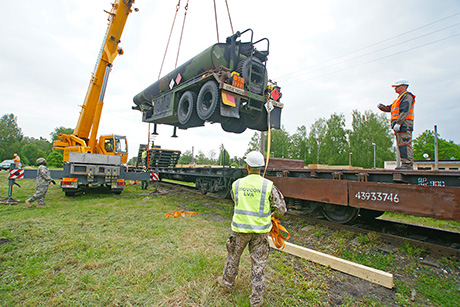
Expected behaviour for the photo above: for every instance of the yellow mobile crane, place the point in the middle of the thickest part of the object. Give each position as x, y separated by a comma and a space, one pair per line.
92, 161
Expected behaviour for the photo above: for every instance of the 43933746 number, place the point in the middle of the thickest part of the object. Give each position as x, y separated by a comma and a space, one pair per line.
377, 196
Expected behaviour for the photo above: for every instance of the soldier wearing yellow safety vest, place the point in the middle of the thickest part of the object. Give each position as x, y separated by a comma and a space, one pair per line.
256, 200
402, 122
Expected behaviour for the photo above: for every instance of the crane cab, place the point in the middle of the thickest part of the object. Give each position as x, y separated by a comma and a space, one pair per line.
113, 145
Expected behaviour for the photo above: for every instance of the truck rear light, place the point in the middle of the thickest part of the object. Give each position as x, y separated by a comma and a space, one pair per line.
121, 182
69, 183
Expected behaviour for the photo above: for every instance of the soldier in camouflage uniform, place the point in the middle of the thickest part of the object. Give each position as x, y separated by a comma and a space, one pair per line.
256, 200
43, 181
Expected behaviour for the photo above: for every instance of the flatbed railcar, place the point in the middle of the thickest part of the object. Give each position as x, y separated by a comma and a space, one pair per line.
341, 195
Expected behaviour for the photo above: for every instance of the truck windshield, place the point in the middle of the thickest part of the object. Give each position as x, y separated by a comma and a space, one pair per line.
120, 144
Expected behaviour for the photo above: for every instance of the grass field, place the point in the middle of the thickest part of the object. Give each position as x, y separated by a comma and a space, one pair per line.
104, 250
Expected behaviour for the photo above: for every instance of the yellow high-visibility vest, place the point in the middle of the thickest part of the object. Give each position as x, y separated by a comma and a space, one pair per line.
252, 204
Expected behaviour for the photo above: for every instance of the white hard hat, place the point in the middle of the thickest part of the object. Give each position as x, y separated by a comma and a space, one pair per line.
255, 159
401, 82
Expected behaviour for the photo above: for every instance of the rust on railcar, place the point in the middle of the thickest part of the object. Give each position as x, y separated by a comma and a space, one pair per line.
284, 164
435, 202
322, 190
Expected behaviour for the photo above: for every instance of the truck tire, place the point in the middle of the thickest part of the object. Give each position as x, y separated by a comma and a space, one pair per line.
186, 111
235, 125
257, 120
208, 102
259, 76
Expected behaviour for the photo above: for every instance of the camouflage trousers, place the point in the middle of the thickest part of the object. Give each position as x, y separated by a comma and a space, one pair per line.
39, 194
404, 142
259, 249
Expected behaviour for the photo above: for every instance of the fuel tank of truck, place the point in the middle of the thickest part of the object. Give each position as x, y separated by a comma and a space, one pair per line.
227, 83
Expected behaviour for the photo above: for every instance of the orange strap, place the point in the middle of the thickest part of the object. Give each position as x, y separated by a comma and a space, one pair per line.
278, 233
181, 213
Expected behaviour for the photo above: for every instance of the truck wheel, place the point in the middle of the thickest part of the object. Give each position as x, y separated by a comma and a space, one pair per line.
70, 194
186, 111
235, 125
257, 120
208, 102
258, 81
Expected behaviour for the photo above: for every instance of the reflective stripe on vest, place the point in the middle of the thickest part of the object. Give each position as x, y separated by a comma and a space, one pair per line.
395, 108
250, 193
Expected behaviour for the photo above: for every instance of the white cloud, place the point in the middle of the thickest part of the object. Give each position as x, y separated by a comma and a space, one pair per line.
48, 54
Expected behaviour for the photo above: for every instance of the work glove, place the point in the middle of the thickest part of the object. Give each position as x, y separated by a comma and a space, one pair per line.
397, 127
54, 182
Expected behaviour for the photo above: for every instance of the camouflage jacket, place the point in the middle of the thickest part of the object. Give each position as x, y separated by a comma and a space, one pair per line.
43, 176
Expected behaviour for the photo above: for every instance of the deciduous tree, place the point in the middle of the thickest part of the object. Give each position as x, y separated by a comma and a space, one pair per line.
10, 136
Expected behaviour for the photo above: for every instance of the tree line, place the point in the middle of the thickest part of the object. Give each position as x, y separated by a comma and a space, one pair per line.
328, 141
29, 149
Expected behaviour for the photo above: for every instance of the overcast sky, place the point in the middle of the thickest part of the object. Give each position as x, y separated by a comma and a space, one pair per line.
327, 56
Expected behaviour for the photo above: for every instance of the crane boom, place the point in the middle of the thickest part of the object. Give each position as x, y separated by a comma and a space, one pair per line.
84, 137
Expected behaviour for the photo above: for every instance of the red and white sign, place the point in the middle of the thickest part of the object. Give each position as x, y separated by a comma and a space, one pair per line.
154, 176
16, 174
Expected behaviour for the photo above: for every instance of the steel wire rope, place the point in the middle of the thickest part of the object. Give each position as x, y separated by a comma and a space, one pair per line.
169, 39
229, 17
374, 44
381, 58
215, 17
159, 73
181, 34
369, 53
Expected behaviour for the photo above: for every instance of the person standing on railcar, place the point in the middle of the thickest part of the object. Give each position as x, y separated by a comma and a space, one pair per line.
402, 122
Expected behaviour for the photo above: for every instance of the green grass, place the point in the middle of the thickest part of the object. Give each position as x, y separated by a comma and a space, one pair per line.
98, 249
425, 221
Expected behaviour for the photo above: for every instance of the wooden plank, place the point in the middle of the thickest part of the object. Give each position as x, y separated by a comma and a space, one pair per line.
370, 274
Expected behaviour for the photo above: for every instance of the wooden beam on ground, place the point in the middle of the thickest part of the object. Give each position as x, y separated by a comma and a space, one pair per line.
370, 274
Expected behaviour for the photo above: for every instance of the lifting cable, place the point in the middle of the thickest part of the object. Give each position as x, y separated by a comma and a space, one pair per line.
181, 33
162, 64
215, 17
229, 17
169, 39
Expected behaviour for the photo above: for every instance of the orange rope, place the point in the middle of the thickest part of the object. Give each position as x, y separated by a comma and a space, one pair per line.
278, 233
181, 213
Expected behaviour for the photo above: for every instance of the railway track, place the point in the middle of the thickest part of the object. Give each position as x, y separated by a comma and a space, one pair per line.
437, 242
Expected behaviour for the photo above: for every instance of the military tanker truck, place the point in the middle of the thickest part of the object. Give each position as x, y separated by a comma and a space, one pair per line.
227, 83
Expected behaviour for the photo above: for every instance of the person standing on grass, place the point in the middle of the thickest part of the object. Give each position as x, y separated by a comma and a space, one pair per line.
256, 200
145, 183
43, 181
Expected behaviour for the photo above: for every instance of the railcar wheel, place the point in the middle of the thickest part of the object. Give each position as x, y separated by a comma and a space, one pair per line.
368, 214
224, 193
208, 102
186, 110
340, 214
